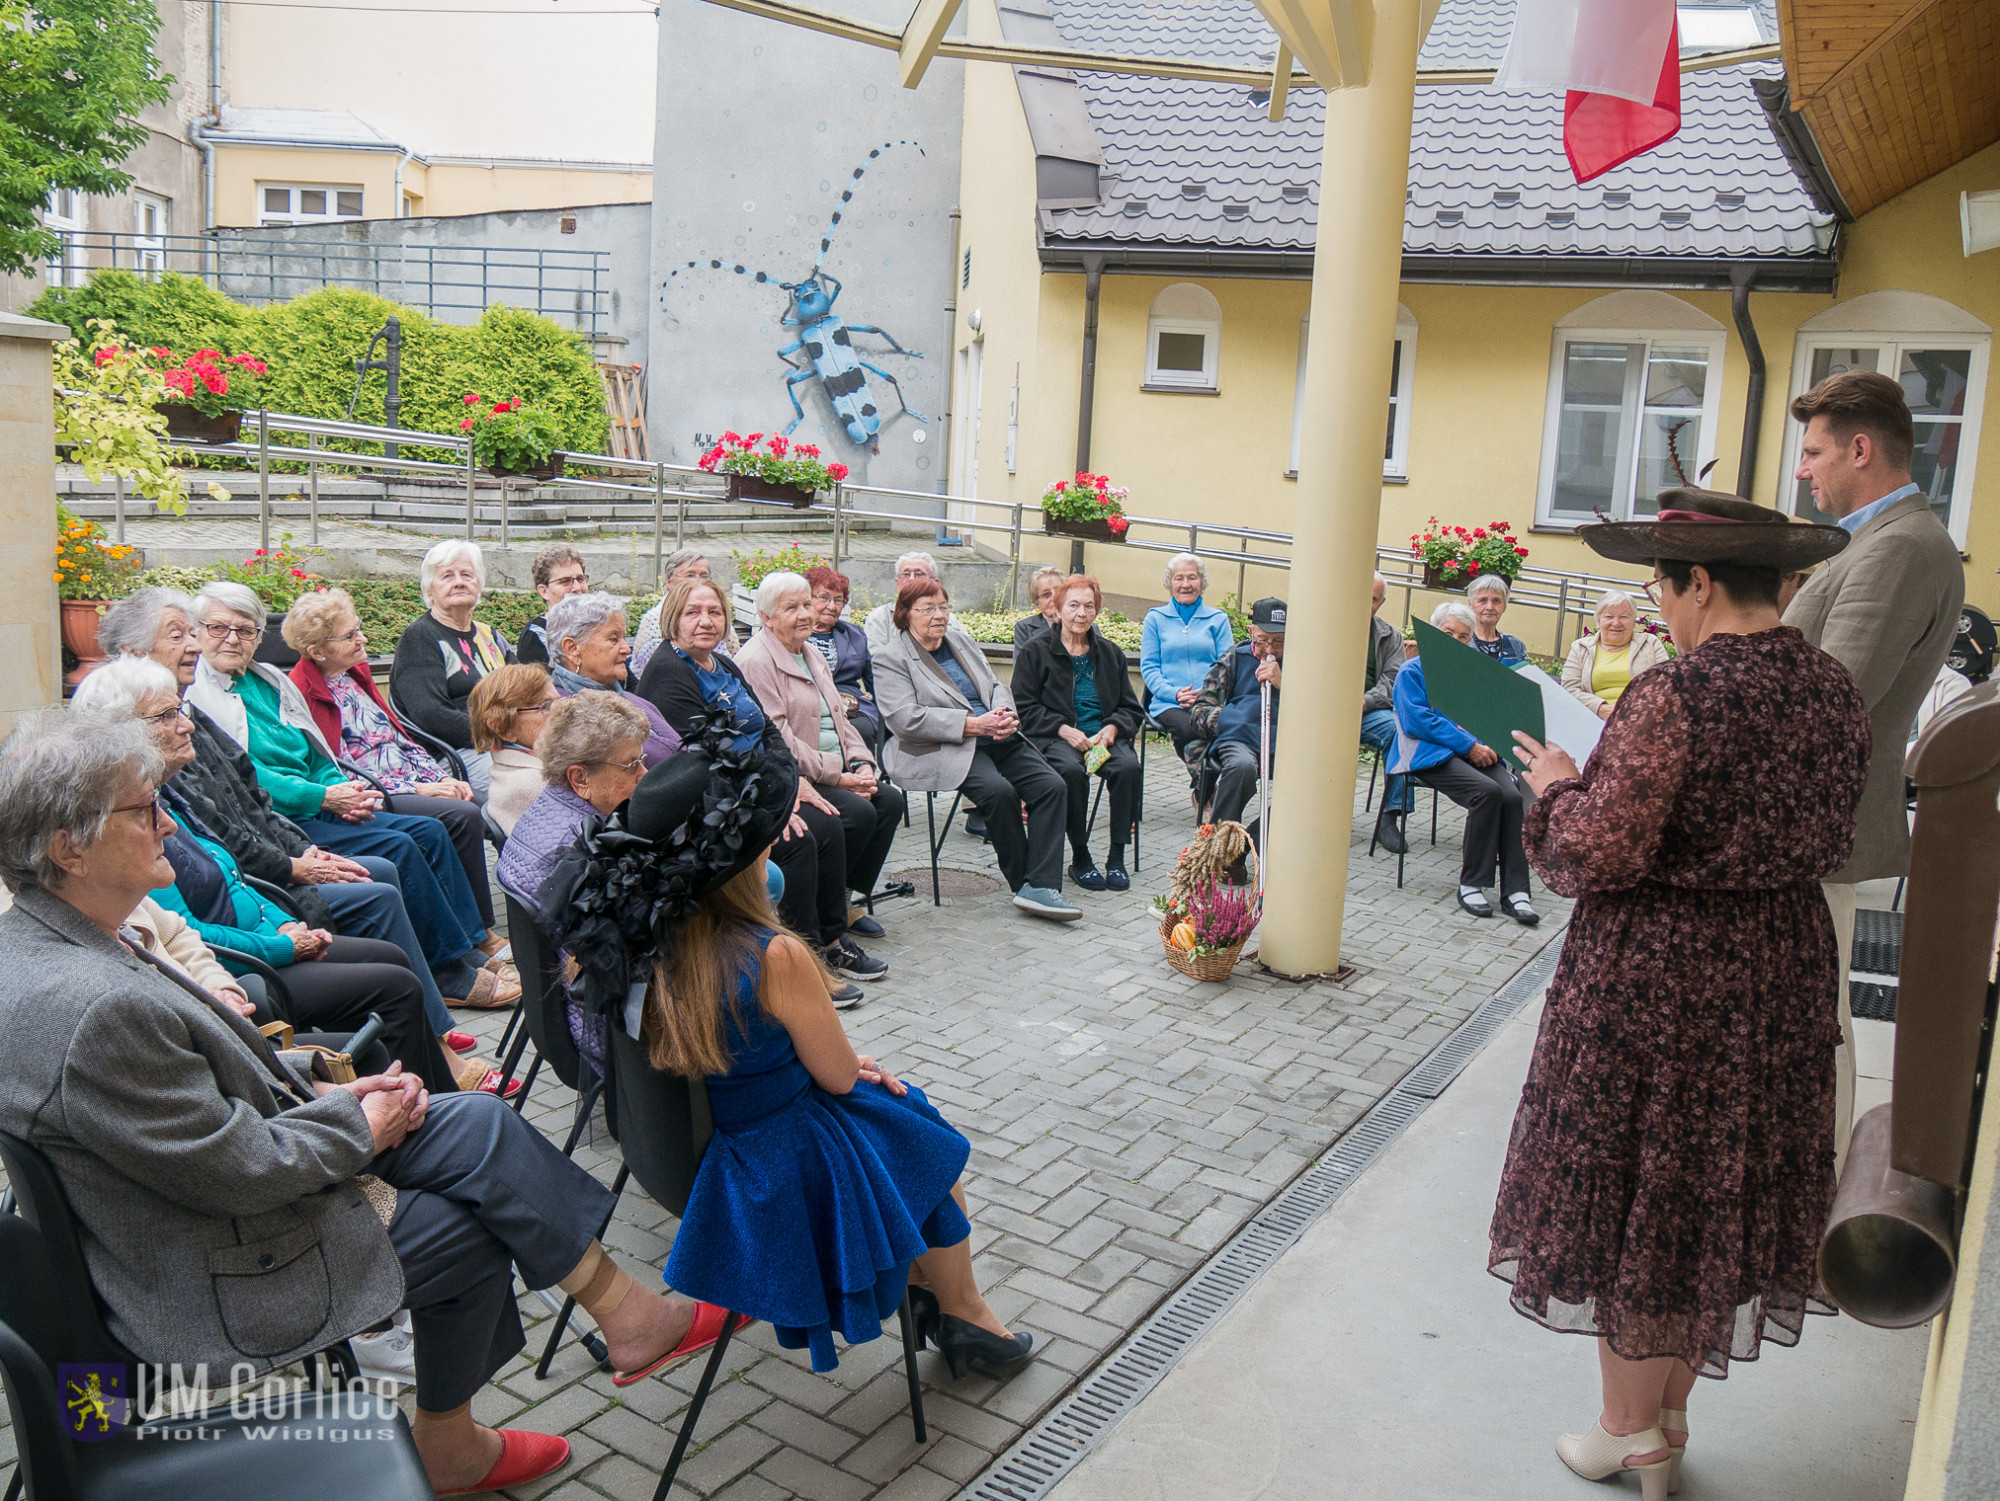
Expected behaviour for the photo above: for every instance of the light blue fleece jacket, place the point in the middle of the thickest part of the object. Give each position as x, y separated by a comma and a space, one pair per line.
1176, 654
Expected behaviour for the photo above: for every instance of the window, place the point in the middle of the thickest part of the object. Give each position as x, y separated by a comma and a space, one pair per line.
1402, 367
149, 231
279, 203
1939, 354
63, 213
1632, 407
1183, 335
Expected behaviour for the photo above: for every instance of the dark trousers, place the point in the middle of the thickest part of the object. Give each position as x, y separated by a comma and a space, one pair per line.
1120, 772
1234, 767
374, 909
815, 867
1493, 809
436, 894
870, 731
1178, 723
1006, 776
336, 992
868, 827
480, 1193
467, 827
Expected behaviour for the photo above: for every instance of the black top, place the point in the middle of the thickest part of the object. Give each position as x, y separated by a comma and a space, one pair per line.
435, 671
533, 645
669, 685
1045, 686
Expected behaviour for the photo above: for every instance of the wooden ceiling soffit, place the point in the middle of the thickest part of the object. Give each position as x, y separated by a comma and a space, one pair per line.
1893, 91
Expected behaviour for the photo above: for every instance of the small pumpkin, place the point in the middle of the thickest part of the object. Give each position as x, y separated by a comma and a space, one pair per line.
1183, 937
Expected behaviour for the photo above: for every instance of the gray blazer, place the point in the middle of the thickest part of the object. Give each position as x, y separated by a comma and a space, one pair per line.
214, 1194
925, 712
1886, 608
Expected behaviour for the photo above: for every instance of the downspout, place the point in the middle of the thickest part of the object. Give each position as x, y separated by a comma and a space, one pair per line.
950, 396
1093, 275
401, 162
1753, 393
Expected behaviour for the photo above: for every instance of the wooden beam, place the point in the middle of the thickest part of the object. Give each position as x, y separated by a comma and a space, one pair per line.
921, 37
1281, 82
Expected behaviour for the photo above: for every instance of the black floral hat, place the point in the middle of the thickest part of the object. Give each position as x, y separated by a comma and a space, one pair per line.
695, 821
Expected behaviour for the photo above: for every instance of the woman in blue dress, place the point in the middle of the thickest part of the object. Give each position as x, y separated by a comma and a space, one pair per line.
829, 1182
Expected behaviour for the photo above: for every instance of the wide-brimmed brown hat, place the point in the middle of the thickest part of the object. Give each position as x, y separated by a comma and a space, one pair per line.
1707, 526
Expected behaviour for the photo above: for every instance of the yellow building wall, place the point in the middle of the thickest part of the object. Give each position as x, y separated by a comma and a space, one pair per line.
434, 188
460, 188
240, 169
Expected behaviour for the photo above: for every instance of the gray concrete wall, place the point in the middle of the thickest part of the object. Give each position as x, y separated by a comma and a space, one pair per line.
761, 127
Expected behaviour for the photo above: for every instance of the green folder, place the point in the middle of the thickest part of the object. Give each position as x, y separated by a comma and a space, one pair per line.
1479, 693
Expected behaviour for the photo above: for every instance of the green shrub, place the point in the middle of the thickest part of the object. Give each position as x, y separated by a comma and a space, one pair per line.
181, 313
386, 606
752, 568
996, 627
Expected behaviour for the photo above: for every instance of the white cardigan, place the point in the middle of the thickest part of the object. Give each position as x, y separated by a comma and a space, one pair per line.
1582, 661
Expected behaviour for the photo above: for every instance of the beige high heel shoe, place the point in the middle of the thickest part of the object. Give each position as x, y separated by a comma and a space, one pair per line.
1678, 1421
1598, 1455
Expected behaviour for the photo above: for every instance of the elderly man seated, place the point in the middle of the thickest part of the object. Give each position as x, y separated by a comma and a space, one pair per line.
684, 564
1228, 713
1378, 719
233, 1209
911, 567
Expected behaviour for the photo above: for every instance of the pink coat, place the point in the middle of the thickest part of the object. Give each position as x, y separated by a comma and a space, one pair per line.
790, 698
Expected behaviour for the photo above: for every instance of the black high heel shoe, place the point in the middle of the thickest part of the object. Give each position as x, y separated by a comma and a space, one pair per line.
924, 1314
966, 1346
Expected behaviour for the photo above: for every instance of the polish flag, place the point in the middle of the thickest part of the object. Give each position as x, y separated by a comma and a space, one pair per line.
1617, 64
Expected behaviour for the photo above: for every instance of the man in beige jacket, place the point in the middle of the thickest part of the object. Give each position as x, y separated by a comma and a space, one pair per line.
1887, 609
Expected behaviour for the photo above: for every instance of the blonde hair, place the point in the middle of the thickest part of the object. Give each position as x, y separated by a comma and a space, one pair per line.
311, 619
677, 602
499, 697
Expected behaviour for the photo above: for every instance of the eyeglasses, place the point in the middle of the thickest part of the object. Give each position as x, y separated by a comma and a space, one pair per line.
829, 599
352, 637
573, 581
930, 607
538, 708
230, 632
151, 807
1651, 589
637, 763
165, 717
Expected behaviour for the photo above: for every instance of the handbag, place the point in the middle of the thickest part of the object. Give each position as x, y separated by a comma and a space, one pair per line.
327, 1065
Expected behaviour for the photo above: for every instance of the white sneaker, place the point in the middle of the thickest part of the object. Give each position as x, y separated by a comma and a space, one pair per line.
390, 1355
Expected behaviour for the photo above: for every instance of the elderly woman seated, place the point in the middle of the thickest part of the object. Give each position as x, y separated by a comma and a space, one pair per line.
1178, 643
443, 653
844, 645
1074, 692
690, 680
675, 568
797, 694
954, 729
1440, 754
588, 651
508, 710
1602, 665
261, 709
1045, 589
237, 1211
333, 982
1487, 596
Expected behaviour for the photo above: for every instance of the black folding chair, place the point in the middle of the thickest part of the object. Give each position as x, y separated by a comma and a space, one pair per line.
445, 753
662, 1125
936, 840
1146, 723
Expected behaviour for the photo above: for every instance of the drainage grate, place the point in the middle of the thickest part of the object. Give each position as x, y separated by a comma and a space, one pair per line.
1871, 1002
1878, 942
1051, 1449
951, 883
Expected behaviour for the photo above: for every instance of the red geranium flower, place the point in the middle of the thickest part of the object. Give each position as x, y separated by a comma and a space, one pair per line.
465, 426
471, 400
837, 471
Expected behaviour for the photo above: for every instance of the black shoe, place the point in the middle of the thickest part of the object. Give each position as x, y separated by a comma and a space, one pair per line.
966, 1346
975, 826
924, 1314
866, 926
1115, 877
848, 958
1389, 832
847, 997
1475, 902
1088, 876
1520, 911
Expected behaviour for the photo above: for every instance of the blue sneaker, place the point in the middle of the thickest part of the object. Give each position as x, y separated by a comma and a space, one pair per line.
1043, 902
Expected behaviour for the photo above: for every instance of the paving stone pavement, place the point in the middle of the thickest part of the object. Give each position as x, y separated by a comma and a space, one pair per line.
1124, 1120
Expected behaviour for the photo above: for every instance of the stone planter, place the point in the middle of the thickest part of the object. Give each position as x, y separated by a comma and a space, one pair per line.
752, 487
547, 470
79, 634
190, 425
1094, 531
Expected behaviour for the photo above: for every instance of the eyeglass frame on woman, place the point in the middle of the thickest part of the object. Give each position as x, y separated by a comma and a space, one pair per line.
152, 805
178, 711
542, 708
637, 763
1651, 587
930, 604
230, 632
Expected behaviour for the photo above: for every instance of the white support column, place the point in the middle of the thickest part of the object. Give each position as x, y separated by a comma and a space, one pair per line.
1357, 264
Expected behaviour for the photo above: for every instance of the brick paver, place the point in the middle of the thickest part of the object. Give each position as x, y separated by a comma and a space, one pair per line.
1124, 1121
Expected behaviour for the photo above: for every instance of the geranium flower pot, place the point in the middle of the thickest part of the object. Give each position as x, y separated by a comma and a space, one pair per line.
1095, 531
1446, 578
79, 634
195, 426
548, 469
756, 487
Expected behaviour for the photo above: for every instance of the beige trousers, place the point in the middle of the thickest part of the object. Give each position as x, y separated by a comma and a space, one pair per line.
1840, 902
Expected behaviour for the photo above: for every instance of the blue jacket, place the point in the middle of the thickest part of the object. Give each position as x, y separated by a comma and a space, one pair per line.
1242, 715
255, 931
1424, 737
1174, 655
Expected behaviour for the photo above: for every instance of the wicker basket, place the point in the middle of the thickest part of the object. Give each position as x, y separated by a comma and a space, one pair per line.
1214, 966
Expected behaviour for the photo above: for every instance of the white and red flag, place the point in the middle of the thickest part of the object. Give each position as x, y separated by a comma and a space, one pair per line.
1617, 64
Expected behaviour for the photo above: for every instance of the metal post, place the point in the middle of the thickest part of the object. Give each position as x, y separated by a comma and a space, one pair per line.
1562, 616
1014, 558
264, 479
659, 507
680, 515
837, 487
1242, 545
118, 504
505, 486
468, 489
312, 483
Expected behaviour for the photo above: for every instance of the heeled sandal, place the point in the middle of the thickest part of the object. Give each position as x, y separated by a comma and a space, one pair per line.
1678, 1421
967, 1346
1598, 1455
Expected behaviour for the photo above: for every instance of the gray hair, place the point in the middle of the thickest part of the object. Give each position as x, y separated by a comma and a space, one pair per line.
62, 772
133, 623
239, 599
1178, 559
1454, 609
584, 729
777, 585
576, 617
1610, 598
1485, 584
116, 689
451, 550
676, 561
1381, 580
920, 557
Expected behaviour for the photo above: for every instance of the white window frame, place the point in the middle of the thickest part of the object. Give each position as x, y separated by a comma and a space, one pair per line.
64, 213
1210, 328
1713, 341
331, 189
150, 246
1890, 346
1396, 466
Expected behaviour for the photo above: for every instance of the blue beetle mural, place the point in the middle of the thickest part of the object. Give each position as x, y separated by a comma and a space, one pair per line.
825, 342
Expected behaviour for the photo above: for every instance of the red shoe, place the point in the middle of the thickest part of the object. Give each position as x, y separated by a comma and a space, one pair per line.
491, 1085
460, 1042
702, 1333
523, 1457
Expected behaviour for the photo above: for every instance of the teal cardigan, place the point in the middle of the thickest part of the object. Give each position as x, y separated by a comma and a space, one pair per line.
257, 920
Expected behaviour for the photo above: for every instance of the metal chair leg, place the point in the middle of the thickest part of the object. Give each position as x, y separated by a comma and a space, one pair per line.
708, 1375
569, 1304
1374, 765
1434, 817
513, 1022
930, 826
910, 1368
527, 1084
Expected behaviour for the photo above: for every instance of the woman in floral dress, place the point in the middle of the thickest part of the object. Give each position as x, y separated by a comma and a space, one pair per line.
1671, 1164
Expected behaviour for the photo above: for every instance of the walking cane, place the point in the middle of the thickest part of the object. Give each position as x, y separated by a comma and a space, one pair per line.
1263, 781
